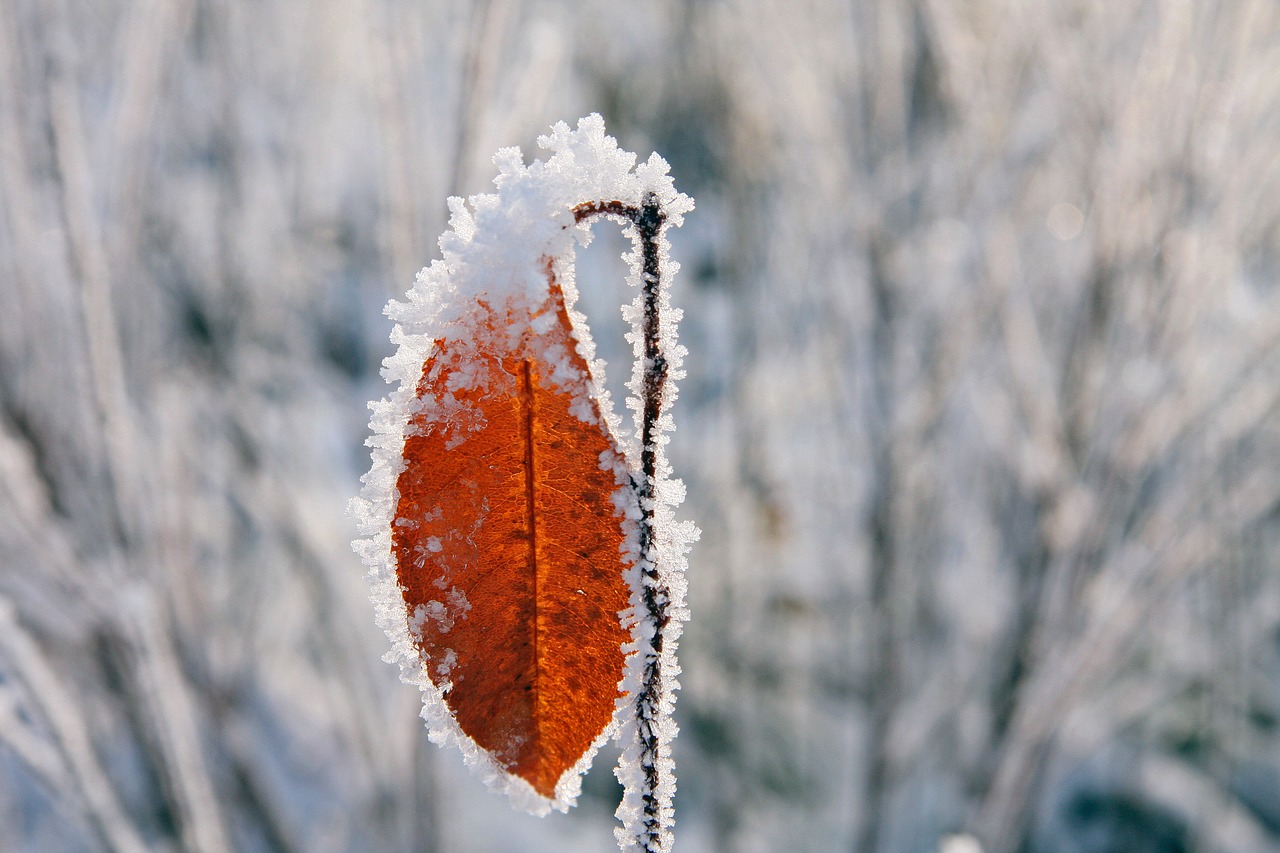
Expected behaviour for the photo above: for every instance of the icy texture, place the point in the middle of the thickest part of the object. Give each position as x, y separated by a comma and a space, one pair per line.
496, 250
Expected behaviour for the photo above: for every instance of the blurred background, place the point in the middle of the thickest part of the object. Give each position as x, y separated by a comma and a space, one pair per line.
981, 426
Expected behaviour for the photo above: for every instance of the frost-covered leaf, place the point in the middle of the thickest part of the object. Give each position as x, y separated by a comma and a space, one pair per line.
507, 540
518, 549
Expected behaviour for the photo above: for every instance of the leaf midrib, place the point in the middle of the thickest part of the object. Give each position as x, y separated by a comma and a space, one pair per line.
527, 398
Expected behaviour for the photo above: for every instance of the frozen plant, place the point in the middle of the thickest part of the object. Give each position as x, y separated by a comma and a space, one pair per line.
522, 546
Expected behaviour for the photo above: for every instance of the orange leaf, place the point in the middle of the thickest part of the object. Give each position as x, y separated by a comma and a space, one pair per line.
507, 540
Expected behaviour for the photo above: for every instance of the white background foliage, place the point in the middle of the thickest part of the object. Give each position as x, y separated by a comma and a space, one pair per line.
980, 422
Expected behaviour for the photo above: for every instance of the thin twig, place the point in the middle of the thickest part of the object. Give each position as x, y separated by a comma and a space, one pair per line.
651, 700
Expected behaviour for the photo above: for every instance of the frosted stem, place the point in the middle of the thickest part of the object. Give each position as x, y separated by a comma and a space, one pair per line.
653, 701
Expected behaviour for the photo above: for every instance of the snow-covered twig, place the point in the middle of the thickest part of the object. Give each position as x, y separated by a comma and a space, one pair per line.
647, 769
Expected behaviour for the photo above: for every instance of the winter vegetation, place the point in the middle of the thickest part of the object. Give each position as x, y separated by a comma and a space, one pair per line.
981, 421
522, 545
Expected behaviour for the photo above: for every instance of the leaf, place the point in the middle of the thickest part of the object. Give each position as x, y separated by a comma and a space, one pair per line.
507, 539
529, 571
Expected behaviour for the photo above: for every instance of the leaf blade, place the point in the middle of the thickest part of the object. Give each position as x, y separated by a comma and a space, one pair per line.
507, 541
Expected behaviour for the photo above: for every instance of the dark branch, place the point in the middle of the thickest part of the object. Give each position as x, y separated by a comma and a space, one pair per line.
649, 220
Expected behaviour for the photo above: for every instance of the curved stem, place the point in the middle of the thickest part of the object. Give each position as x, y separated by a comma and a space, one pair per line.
653, 700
